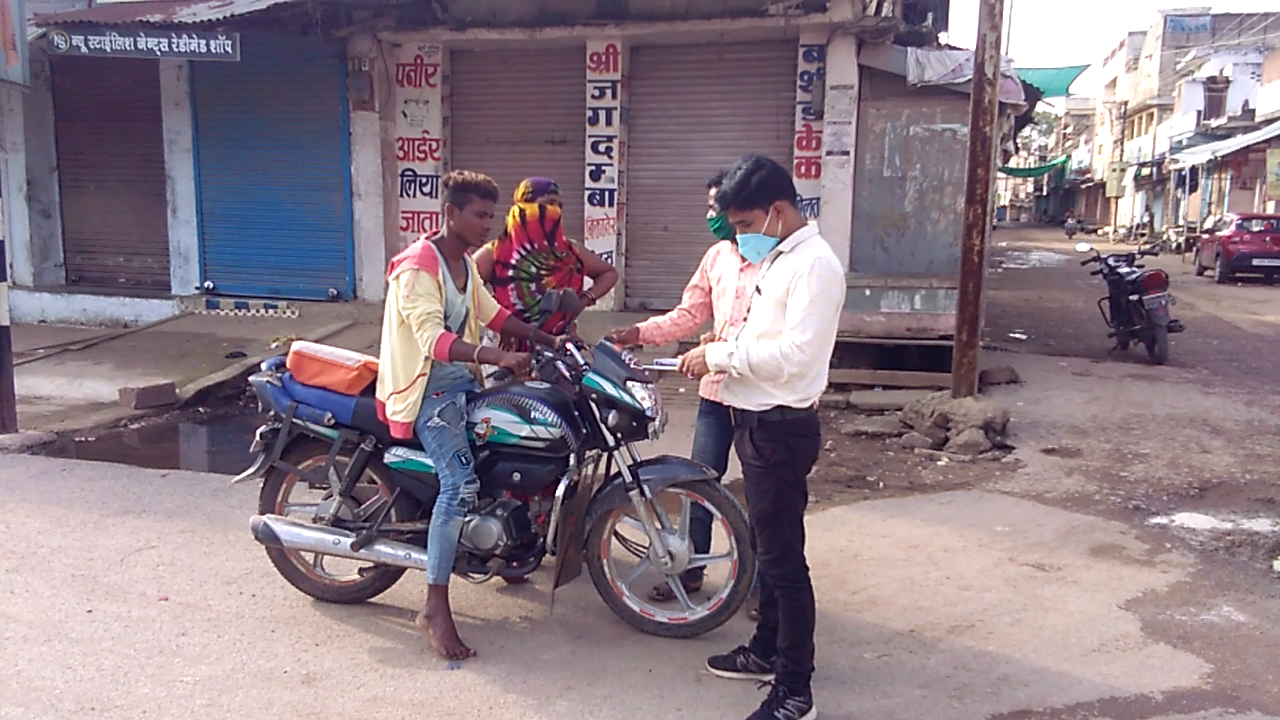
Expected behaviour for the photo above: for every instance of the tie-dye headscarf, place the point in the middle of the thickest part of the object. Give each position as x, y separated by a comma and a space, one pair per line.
532, 256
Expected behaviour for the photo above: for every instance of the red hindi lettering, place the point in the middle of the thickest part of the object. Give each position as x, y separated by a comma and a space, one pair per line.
419, 149
605, 62
601, 227
419, 222
808, 168
808, 139
417, 73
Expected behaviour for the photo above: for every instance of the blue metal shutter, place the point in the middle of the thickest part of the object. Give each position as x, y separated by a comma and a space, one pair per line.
273, 175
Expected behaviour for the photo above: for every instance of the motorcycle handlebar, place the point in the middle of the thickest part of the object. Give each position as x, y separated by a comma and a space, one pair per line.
502, 375
1096, 272
1086, 261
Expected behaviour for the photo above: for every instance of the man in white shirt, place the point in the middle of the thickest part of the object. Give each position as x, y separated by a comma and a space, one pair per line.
776, 369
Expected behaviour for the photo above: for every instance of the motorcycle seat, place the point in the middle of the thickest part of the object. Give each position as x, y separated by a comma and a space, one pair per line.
358, 412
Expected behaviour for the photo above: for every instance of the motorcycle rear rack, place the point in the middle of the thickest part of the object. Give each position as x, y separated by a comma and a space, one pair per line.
290, 428
1106, 318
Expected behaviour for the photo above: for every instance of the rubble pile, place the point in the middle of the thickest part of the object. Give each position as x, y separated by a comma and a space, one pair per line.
966, 426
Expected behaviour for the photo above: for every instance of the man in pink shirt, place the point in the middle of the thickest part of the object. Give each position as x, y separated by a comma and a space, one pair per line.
719, 291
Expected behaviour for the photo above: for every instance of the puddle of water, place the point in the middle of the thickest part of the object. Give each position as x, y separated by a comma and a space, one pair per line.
1026, 259
220, 445
1200, 521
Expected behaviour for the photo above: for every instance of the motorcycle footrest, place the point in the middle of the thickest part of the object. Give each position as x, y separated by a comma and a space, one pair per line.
1176, 326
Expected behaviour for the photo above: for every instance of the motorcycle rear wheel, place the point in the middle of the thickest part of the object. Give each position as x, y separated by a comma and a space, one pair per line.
310, 577
674, 620
1158, 345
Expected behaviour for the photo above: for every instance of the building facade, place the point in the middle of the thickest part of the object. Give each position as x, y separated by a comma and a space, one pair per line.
1193, 77
248, 152
293, 166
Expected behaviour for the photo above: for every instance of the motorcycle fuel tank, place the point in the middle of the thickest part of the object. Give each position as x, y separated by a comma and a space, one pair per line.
530, 414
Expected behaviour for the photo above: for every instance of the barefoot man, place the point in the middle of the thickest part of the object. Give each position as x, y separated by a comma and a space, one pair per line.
430, 359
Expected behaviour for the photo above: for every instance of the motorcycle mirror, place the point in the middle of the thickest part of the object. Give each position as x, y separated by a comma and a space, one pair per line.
562, 300
551, 300
1083, 247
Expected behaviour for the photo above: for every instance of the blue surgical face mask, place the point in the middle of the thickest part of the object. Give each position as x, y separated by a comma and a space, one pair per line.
755, 247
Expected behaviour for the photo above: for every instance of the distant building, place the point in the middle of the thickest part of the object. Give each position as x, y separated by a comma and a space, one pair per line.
1193, 77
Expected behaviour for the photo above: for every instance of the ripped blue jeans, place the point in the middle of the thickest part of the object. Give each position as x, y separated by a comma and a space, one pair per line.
441, 427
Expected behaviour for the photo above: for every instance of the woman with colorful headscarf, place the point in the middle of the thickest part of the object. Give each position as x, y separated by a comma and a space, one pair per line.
532, 256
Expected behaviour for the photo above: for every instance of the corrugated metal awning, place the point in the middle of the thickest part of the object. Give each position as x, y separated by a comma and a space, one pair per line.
157, 12
1204, 153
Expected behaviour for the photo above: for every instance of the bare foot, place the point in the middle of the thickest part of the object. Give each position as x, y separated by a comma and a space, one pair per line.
443, 635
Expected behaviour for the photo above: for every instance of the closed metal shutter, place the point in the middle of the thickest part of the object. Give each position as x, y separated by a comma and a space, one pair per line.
909, 178
694, 111
273, 167
518, 113
111, 172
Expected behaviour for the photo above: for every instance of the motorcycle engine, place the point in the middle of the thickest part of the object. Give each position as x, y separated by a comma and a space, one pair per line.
498, 528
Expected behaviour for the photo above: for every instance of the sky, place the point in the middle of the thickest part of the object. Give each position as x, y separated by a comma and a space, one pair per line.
1080, 32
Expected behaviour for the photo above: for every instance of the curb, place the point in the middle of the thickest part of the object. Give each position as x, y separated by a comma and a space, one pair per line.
21, 442
193, 388
106, 416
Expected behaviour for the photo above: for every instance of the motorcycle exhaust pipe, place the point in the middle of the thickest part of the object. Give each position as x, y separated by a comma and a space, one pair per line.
281, 532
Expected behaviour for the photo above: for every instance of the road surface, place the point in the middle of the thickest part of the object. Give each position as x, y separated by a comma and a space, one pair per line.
134, 593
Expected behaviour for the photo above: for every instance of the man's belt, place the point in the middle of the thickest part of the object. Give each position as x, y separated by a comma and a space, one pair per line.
750, 418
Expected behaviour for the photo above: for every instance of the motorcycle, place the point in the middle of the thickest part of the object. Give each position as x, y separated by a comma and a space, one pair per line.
1071, 226
1137, 304
560, 475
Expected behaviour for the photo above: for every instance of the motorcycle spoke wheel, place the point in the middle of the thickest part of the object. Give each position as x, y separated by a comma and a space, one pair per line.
330, 570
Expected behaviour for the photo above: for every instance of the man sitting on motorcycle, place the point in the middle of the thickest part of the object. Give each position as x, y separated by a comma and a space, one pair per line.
430, 358
1070, 224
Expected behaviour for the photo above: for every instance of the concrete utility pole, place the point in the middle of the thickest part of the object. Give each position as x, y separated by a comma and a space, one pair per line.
8, 395
984, 132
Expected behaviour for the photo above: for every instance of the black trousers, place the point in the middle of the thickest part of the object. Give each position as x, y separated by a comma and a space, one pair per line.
776, 459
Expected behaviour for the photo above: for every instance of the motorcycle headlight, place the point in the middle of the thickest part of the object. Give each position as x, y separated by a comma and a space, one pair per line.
646, 394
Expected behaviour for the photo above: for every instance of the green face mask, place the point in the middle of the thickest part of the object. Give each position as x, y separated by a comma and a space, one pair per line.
720, 227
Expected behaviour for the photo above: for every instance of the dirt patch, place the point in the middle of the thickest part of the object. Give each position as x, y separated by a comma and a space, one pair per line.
858, 468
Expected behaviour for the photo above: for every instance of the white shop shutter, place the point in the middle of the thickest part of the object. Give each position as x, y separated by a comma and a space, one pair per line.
518, 113
694, 111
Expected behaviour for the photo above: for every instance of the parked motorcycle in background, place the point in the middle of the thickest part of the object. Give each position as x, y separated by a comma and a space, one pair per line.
1136, 307
1071, 226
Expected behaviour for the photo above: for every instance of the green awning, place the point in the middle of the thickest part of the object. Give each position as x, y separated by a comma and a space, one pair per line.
1053, 82
1030, 172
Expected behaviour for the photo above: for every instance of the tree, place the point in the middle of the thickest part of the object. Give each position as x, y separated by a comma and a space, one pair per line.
1038, 138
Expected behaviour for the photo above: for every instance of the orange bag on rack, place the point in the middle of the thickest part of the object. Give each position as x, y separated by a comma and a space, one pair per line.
332, 368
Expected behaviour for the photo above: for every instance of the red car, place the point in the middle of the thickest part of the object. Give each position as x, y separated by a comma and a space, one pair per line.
1240, 244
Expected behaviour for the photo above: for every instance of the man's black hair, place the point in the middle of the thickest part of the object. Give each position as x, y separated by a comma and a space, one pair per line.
755, 183
462, 187
717, 180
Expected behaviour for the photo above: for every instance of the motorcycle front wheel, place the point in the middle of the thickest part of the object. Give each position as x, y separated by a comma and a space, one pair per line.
625, 579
